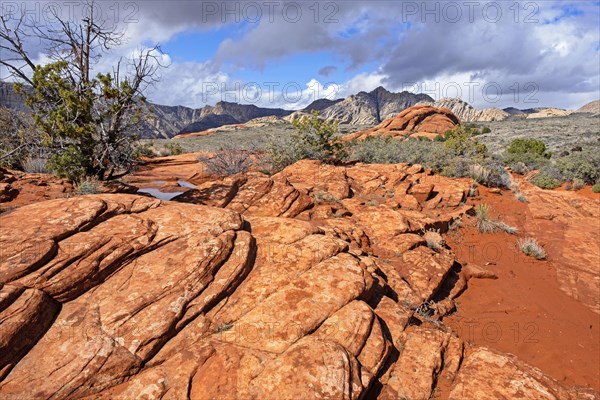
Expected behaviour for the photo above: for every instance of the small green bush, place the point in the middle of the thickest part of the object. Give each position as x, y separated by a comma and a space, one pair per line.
530, 152
461, 141
485, 130
596, 188
386, 150
144, 151
545, 181
314, 138
528, 146
174, 149
583, 165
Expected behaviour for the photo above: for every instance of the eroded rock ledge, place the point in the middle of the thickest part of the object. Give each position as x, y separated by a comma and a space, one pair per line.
307, 284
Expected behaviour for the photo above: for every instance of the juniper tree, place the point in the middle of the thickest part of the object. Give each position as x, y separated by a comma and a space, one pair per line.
89, 122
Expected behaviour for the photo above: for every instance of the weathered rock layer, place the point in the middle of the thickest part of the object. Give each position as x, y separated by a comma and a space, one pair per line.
314, 283
420, 120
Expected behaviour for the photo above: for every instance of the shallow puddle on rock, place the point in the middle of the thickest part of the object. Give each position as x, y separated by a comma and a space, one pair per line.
158, 194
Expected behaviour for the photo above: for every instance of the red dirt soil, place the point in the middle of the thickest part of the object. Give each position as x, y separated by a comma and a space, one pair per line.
527, 311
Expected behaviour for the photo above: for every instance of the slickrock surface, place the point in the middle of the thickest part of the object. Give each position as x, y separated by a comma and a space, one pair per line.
419, 120
571, 226
312, 283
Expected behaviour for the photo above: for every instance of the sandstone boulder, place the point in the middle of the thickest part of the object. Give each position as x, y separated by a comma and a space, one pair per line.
419, 120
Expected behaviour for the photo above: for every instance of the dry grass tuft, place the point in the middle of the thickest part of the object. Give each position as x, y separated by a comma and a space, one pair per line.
532, 248
485, 224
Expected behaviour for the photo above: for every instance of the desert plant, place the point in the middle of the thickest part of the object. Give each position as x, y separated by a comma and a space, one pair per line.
519, 168
19, 140
583, 165
227, 162
529, 152
144, 150
386, 150
545, 181
433, 239
455, 224
89, 185
89, 121
485, 224
461, 141
472, 190
578, 184
532, 248
596, 188
521, 197
314, 138
35, 165
174, 149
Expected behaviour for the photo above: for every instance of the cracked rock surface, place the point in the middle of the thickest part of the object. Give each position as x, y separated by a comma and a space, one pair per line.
313, 283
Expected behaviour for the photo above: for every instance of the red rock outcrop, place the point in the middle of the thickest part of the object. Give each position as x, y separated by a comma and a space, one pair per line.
416, 121
313, 283
20, 188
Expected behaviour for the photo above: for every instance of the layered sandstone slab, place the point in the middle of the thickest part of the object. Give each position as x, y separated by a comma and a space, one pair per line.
312, 283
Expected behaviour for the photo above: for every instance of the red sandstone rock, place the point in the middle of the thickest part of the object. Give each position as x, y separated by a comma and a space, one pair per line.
419, 120
256, 291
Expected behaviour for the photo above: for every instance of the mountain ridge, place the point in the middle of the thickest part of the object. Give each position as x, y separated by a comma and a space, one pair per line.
362, 108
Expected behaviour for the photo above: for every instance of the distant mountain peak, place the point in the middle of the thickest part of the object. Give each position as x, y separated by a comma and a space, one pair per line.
372, 107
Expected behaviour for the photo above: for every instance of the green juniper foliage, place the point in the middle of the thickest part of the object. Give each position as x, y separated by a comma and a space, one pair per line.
88, 121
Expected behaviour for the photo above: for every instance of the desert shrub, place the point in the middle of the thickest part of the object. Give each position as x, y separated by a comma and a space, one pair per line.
530, 152
227, 162
174, 149
485, 130
461, 141
519, 168
578, 184
532, 248
545, 180
314, 138
485, 224
596, 188
521, 197
35, 165
89, 185
490, 174
386, 150
19, 140
583, 165
144, 150
569, 186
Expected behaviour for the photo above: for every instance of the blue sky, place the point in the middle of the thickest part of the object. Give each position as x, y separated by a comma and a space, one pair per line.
536, 53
